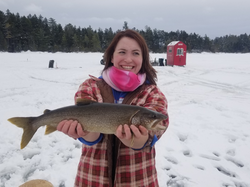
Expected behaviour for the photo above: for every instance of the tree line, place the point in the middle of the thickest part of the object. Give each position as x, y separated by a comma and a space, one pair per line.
36, 33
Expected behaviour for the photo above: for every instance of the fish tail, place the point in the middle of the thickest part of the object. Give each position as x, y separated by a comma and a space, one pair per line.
26, 124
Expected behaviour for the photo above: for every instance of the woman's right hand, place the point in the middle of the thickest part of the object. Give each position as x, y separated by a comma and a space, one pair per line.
71, 128
74, 129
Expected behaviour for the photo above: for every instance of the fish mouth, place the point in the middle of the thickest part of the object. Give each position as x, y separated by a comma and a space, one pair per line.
156, 124
157, 121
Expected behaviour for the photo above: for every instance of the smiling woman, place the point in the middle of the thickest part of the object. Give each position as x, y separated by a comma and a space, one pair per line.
127, 55
128, 157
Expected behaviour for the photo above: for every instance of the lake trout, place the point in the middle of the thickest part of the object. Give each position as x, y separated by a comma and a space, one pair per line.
93, 116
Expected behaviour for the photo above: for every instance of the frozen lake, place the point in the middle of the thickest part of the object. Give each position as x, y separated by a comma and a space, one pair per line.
207, 143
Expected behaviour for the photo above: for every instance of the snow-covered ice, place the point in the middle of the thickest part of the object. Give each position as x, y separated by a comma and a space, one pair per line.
206, 145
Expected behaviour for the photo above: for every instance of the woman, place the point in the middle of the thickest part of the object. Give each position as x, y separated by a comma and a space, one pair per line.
127, 78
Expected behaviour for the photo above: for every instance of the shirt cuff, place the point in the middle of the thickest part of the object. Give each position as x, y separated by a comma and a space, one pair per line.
149, 142
154, 140
91, 143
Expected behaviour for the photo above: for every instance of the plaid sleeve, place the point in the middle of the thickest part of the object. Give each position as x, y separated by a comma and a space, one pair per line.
153, 99
157, 101
88, 90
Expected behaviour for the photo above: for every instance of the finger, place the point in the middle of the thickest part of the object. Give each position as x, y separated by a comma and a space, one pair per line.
127, 131
119, 132
60, 125
72, 129
135, 131
65, 127
140, 131
143, 130
80, 132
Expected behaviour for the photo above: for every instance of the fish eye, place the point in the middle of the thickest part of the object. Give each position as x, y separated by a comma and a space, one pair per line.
153, 116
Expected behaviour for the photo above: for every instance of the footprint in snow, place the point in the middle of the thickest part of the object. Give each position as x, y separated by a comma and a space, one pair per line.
232, 139
187, 153
216, 154
210, 157
226, 172
176, 181
199, 167
231, 152
235, 161
182, 137
172, 160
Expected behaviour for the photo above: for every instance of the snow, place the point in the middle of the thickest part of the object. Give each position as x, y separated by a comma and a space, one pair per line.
173, 43
207, 143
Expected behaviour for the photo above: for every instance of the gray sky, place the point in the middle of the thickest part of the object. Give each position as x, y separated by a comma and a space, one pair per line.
211, 17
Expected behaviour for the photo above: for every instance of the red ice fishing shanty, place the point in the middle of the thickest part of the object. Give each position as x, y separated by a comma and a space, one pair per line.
176, 53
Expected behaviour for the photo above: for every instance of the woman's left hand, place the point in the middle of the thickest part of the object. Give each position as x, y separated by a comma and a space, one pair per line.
126, 133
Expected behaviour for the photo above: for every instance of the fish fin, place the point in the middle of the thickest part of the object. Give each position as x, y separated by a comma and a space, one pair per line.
26, 124
81, 101
131, 117
94, 78
50, 129
46, 111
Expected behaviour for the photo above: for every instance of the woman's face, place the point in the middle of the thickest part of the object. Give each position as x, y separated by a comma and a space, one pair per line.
127, 55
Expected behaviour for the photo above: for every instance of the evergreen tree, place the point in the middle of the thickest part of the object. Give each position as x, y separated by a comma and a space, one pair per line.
148, 35
107, 37
125, 25
207, 44
52, 26
26, 30
10, 30
96, 43
86, 43
59, 32
68, 37
3, 42
101, 39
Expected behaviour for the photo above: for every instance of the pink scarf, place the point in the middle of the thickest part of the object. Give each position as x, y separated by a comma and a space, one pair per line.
121, 80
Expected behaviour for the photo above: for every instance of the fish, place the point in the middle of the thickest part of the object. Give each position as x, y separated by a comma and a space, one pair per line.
93, 116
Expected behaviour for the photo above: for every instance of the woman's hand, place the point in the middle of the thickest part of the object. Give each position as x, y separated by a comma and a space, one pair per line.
132, 137
74, 129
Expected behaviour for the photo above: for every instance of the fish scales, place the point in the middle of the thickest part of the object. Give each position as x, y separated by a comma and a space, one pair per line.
94, 117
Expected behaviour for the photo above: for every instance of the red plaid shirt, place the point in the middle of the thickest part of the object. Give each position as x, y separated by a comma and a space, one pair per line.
134, 168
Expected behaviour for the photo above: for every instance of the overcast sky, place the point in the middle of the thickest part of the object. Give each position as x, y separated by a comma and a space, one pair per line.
211, 17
